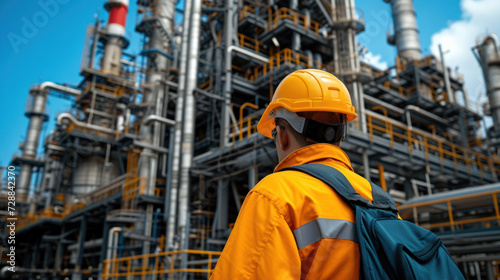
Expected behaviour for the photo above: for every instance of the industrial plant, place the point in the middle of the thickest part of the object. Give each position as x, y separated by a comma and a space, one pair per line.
144, 176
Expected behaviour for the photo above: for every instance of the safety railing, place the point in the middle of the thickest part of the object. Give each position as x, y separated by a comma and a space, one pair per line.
349, 14
401, 90
473, 210
348, 64
429, 144
112, 188
282, 58
298, 19
70, 127
135, 186
245, 11
151, 266
429, 60
80, 202
117, 91
246, 126
47, 213
252, 44
130, 190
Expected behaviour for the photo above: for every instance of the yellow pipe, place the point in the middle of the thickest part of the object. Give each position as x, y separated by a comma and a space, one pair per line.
378, 107
381, 176
247, 104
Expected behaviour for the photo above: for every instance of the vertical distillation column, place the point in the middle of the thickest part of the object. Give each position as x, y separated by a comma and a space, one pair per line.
490, 63
179, 115
405, 29
347, 25
157, 66
114, 38
37, 116
189, 122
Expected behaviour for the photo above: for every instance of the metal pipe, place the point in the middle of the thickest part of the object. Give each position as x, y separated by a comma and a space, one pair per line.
189, 119
366, 164
296, 41
423, 113
93, 49
386, 105
381, 176
168, 191
112, 245
397, 123
50, 85
449, 91
73, 119
154, 118
405, 28
172, 217
259, 57
253, 176
228, 30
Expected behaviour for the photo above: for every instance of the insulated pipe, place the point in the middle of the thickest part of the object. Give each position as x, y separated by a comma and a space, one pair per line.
310, 57
153, 118
307, 21
318, 60
386, 105
226, 107
72, 118
296, 41
112, 245
115, 36
449, 90
176, 161
405, 28
422, 112
253, 55
50, 85
189, 121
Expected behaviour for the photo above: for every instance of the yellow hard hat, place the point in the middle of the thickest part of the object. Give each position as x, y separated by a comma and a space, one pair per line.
308, 90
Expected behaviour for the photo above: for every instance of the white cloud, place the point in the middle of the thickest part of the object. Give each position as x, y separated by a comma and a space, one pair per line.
374, 60
479, 17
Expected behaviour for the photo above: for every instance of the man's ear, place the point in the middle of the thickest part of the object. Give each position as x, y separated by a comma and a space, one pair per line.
283, 136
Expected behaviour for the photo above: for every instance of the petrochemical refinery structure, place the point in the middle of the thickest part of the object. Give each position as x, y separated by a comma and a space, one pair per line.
144, 177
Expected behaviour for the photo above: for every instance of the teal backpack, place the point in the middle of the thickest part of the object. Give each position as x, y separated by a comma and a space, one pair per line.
390, 248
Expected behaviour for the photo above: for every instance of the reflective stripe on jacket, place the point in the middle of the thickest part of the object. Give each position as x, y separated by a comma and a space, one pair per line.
293, 226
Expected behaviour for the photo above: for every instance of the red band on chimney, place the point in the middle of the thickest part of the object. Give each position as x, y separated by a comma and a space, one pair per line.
118, 15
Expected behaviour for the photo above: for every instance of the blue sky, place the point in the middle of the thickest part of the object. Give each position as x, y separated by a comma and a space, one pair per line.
52, 51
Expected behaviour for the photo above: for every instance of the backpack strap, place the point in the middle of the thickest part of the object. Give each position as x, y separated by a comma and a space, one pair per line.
337, 181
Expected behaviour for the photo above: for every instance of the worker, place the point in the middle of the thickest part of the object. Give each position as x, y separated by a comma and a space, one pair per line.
291, 225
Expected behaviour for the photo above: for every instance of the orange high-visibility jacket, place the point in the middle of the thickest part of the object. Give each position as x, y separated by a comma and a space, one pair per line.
293, 226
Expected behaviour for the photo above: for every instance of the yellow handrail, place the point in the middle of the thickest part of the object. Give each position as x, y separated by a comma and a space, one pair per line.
251, 43
432, 144
298, 19
449, 210
247, 104
153, 264
284, 57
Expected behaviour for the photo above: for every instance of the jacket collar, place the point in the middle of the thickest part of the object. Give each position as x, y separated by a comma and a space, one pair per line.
316, 153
